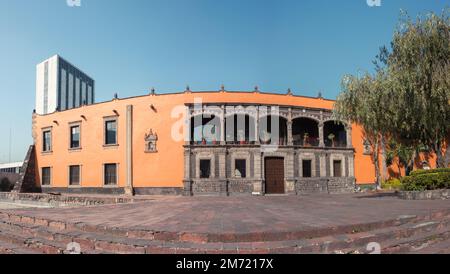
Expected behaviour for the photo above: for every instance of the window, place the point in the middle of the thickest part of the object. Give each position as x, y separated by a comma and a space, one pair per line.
47, 141
83, 94
240, 168
63, 89
75, 136
337, 168
205, 169
307, 168
70, 92
46, 176
110, 174
77, 92
74, 175
111, 132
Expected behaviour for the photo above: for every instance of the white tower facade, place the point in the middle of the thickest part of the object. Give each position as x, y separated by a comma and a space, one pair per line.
61, 86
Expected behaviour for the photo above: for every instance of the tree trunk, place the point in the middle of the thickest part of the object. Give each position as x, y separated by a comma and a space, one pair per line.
377, 164
410, 166
447, 156
440, 161
384, 173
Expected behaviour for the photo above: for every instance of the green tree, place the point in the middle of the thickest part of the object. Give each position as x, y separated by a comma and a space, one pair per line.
418, 66
365, 101
407, 98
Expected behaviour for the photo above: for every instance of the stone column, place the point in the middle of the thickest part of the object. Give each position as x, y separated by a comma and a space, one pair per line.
290, 180
187, 137
187, 173
321, 137
222, 164
222, 172
289, 129
323, 165
222, 125
257, 139
129, 151
258, 184
351, 166
349, 136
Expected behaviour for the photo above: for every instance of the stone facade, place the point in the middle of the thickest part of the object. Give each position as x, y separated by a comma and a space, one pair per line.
222, 156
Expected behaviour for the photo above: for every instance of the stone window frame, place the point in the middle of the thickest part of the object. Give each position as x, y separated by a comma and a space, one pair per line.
43, 130
109, 119
205, 156
71, 125
240, 156
308, 157
117, 175
80, 176
51, 177
338, 157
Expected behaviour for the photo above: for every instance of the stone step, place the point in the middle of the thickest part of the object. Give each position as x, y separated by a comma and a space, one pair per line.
419, 245
9, 248
54, 239
439, 247
143, 233
33, 244
407, 244
357, 242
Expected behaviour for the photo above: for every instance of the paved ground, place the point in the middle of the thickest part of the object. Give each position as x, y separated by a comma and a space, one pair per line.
243, 214
8, 205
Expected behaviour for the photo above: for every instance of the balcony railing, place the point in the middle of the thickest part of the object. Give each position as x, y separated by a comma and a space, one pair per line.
307, 142
335, 143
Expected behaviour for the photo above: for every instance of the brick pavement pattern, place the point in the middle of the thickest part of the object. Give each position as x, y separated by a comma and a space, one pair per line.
272, 224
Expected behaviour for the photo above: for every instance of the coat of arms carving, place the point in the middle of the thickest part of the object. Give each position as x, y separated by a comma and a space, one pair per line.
150, 142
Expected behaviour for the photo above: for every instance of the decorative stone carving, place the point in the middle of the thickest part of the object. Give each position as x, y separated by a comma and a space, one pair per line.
150, 142
367, 147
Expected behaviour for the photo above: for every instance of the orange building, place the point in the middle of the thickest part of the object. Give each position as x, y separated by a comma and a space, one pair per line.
195, 143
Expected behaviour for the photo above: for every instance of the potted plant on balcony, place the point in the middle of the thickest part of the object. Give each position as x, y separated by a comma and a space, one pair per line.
203, 141
241, 137
265, 138
331, 137
306, 139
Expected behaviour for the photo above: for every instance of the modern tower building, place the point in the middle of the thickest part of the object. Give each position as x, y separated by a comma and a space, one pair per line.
61, 86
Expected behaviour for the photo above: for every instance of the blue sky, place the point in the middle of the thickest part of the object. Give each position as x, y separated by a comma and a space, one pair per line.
130, 46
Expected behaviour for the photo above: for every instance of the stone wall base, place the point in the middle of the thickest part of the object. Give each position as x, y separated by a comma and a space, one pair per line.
328, 185
158, 190
443, 194
238, 187
85, 190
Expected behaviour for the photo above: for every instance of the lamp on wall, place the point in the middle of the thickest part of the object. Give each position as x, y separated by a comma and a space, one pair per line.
153, 108
55, 122
116, 112
83, 117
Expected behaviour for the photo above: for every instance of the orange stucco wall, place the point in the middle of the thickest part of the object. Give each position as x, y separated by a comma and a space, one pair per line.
162, 169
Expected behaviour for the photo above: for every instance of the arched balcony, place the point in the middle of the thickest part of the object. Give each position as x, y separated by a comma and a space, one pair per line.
335, 134
205, 129
305, 132
273, 130
240, 129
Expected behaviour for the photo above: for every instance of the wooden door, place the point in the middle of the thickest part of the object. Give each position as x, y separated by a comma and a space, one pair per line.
274, 175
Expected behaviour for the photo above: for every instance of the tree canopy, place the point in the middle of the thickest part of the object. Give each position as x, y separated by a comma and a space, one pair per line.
407, 99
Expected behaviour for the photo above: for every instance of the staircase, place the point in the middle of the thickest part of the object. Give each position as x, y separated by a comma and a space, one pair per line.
406, 234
